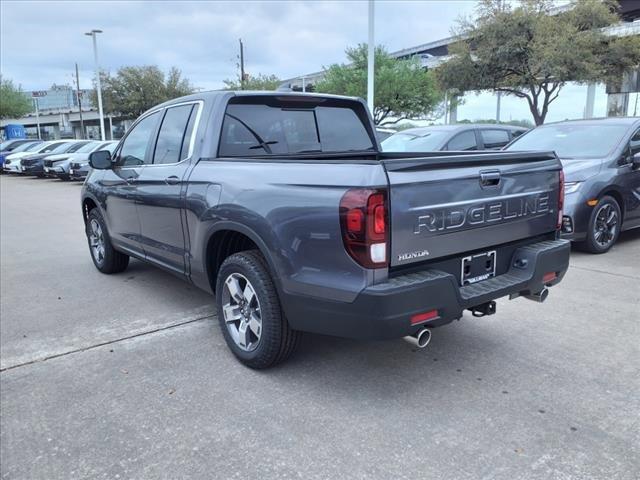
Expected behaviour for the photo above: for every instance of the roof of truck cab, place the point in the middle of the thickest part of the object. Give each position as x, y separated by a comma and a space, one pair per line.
211, 95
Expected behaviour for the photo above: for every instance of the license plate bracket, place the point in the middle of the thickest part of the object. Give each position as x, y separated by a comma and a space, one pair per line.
478, 267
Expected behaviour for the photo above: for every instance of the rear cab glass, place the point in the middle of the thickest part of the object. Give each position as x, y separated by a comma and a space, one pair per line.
282, 126
494, 138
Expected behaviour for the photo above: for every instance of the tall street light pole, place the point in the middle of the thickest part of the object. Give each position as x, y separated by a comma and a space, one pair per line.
78, 95
92, 34
370, 60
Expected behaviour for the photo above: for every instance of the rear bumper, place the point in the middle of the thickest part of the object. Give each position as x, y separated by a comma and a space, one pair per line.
384, 311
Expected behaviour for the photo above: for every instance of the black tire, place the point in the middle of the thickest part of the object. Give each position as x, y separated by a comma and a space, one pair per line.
64, 177
594, 242
277, 340
111, 261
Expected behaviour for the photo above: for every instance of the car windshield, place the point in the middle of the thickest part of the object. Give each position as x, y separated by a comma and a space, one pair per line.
572, 141
412, 142
46, 147
61, 147
6, 144
26, 147
89, 147
111, 146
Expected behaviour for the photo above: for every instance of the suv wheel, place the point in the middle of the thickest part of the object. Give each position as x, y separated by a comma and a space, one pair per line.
104, 256
249, 312
604, 226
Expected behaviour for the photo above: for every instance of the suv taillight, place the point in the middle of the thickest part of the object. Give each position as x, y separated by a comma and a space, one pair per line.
560, 200
365, 226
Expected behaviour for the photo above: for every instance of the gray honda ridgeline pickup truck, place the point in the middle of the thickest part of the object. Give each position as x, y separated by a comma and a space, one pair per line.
285, 207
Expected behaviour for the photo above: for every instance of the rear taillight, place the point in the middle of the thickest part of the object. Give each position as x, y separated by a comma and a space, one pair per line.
365, 226
560, 200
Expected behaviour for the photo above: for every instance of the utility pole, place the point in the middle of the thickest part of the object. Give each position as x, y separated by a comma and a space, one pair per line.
38, 117
241, 65
92, 34
499, 97
79, 102
370, 60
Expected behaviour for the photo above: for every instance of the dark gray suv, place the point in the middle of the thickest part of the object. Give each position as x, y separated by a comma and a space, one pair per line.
601, 161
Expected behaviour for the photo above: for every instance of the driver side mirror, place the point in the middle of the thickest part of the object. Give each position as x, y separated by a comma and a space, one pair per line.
100, 160
635, 161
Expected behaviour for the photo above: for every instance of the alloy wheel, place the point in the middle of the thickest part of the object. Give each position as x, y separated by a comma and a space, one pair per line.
605, 226
96, 241
241, 309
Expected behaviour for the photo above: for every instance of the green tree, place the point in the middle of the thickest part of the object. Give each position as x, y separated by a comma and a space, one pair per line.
531, 51
403, 89
259, 82
13, 101
134, 90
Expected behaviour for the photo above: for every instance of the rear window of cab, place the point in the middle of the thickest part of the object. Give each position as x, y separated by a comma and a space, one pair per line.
258, 129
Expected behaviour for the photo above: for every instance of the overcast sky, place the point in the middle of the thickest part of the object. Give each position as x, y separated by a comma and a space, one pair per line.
41, 41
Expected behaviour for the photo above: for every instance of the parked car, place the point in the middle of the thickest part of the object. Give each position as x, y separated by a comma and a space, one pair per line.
22, 147
283, 205
78, 166
58, 165
458, 137
34, 164
13, 162
601, 160
11, 144
384, 133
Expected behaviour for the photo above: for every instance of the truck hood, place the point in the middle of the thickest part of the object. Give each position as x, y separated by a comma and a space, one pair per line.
579, 170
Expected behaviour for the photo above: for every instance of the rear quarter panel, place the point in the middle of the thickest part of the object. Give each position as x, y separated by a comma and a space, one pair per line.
291, 209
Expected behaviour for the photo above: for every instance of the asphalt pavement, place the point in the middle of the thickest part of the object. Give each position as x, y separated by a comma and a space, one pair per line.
128, 376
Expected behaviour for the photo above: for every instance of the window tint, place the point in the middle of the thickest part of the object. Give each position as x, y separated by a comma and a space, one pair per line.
184, 153
634, 144
494, 138
136, 145
341, 130
572, 140
463, 141
250, 130
172, 133
58, 147
422, 141
76, 147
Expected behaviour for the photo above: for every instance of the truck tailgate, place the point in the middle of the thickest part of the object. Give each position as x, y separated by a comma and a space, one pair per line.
451, 203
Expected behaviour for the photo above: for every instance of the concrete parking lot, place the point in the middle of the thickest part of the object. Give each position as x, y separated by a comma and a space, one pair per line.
128, 376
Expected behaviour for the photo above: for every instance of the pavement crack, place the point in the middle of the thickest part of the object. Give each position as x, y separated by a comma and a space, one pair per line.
109, 342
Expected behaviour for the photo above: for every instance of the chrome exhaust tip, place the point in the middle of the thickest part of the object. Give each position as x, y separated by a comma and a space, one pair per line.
420, 339
540, 297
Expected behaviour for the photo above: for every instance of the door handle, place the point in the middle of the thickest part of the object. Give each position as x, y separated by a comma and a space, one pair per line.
489, 178
172, 180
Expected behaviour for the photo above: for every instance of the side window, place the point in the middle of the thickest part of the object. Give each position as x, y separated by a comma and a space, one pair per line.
634, 143
171, 137
137, 143
463, 141
494, 138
